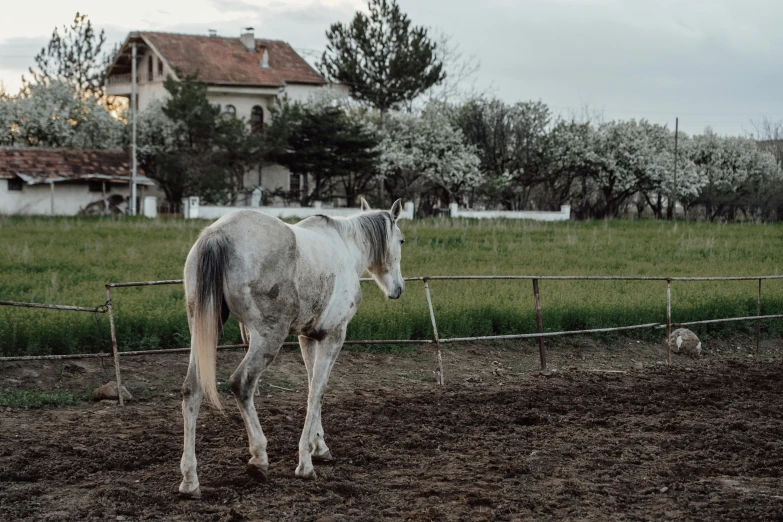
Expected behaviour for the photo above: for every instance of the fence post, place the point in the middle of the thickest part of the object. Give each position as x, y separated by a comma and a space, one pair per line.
669, 322
758, 321
114, 344
440, 379
539, 325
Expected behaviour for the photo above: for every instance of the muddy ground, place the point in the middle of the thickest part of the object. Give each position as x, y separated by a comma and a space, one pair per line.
611, 434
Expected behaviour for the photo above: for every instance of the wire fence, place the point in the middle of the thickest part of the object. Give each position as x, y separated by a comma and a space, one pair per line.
107, 307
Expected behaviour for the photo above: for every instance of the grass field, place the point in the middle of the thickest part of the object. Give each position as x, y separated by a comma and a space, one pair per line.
69, 260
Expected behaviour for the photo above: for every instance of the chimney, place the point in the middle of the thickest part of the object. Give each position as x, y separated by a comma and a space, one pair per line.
264, 62
213, 32
248, 39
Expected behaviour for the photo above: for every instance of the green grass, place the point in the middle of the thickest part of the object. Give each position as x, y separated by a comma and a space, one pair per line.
69, 260
33, 399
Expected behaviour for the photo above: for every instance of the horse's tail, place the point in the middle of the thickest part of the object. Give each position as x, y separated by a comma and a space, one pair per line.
212, 259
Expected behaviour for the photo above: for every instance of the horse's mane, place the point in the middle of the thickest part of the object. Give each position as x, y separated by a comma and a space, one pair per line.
374, 228
368, 228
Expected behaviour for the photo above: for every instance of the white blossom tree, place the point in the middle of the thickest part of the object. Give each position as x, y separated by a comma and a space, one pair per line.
54, 114
572, 162
424, 152
736, 175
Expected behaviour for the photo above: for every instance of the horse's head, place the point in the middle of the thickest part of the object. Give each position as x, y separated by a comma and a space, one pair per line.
385, 267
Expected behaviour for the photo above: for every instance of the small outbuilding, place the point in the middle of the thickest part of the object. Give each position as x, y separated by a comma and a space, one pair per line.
66, 182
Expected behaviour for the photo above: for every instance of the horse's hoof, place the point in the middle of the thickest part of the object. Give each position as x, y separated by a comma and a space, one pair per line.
188, 493
256, 473
305, 475
324, 457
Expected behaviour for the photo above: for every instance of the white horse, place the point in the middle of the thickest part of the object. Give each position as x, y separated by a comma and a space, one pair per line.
278, 279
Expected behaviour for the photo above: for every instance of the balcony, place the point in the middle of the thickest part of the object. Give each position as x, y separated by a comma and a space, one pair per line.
120, 84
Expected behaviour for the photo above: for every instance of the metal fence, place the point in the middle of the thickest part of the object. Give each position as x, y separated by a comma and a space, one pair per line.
436, 340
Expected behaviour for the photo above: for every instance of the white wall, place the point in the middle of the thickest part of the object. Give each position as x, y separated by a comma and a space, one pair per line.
69, 198
563, 215
192, 209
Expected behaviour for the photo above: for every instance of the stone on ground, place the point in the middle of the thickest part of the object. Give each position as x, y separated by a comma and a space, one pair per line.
109, 391
686, 342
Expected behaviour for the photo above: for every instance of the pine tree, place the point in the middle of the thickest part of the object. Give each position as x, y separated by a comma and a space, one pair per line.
384, 61
325, 143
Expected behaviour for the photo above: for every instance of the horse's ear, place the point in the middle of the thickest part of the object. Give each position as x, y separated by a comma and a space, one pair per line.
365, 205
396, 209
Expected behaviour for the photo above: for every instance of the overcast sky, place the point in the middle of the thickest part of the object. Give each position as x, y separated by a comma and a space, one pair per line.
710, 62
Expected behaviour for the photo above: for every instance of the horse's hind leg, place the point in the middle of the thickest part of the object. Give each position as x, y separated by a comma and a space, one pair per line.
261, 352
309, 347
191, 401
245, 333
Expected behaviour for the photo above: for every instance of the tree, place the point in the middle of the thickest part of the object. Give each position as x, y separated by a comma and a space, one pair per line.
156, 137
459, 71
425, 154
321, 140
189, 148
53, 114
510, 141
572, 163
737, 177
74, 58
385, 62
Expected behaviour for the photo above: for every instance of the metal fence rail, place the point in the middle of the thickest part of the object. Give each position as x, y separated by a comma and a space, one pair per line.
107, 307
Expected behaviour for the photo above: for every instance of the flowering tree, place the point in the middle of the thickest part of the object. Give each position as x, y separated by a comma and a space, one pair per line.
736, 174
572, 162
54, 114
509, 141
424, 153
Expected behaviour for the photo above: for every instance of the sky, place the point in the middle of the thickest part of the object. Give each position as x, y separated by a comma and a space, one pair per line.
713, 63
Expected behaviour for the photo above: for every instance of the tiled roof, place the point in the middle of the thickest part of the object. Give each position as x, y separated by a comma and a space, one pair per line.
38, 165
227, 61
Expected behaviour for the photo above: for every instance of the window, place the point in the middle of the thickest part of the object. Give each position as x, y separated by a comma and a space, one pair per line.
15, 184
295, 183
149, 68
160, 69
97, 186
257, 119
230, 110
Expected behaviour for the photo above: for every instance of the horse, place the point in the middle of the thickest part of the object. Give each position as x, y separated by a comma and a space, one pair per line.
279, 280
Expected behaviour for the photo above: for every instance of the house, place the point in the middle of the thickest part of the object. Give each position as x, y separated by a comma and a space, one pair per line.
65, 181
244, 76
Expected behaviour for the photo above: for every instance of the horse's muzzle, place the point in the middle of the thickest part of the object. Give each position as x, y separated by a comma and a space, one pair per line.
396, 293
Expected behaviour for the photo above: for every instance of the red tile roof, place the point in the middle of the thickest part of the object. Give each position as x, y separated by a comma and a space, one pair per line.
223, 60
38, 165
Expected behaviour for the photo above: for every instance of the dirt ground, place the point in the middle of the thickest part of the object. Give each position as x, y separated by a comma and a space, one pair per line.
609, 434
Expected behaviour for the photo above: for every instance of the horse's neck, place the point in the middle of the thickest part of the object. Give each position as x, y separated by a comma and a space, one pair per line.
358, 245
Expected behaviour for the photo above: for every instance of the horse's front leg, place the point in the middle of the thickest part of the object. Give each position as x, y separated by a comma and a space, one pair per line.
191, 402
263, 348
309, 348
326, 353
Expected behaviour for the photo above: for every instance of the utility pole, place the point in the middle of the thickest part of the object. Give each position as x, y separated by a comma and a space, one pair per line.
133, 131
672, 210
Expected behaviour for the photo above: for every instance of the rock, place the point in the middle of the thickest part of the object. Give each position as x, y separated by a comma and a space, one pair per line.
109, 391
686, 342
638, 365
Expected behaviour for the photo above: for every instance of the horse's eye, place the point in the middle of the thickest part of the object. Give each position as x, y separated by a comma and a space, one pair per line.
402, 241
